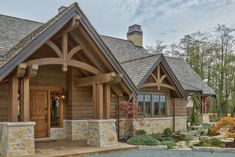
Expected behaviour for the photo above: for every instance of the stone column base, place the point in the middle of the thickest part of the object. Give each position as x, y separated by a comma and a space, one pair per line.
17, 139
102, 133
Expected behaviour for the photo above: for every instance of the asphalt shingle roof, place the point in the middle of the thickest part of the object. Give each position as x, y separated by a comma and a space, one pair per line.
12, 31
15, 33
137, 62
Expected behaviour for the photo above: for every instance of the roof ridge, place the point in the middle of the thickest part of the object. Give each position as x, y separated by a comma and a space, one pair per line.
20, 18
150, 55
114, 37
174, 58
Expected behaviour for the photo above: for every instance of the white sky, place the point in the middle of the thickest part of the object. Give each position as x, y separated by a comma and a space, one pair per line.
167, 20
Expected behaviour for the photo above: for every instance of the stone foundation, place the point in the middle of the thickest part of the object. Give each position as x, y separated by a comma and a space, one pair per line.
102, 133
157, 125
17, 139
76, 129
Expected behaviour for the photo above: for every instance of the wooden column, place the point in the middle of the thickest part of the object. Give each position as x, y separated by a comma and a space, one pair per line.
13, 91
94, 97
174, 114
107, 100
25, 99
98, 100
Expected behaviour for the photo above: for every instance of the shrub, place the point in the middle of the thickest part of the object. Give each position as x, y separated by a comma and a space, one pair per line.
211, 142
143, 140
168, 132
140, 132
169, 144
157, 136
225, 122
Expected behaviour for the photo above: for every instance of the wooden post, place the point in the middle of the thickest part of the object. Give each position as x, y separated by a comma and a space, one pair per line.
94, 97
100, 102
107, 100
13, 107
174, 114
25, 99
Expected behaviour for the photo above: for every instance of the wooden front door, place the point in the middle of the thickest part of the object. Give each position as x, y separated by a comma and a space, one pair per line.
39, 111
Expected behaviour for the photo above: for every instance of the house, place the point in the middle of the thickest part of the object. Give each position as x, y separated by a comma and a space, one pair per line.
62, 80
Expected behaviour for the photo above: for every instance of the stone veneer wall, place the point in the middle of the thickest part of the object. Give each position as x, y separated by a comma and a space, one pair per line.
76, 129
102, 133
17, 139
157, 125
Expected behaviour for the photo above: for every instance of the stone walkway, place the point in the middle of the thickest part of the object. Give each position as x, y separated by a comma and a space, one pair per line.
67, 148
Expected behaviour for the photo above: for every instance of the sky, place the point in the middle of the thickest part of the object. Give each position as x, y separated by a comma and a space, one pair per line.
166, 20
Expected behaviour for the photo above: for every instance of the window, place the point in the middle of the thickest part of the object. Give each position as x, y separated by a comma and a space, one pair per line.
147, 105
152, 105
141, 103
156, 105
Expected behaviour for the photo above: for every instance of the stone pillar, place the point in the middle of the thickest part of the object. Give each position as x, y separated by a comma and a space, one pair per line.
17, 139
102, 133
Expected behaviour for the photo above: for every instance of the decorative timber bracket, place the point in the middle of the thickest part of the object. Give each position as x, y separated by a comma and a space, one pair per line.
64, 54
158, 81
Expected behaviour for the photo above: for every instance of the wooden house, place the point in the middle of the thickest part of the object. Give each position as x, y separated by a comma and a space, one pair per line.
62, 80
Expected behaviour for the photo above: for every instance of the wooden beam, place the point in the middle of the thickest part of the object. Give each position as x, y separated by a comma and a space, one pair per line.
101, 78
74, 51
116, 90
154, 78
31, 71
158, 77
125, 88
24, 94
20, 71
156, 85
74, 23
107, 100
13, 95
65, 51
45, 61
53, 46
162, 78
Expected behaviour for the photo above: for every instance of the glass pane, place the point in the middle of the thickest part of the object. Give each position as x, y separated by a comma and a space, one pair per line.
163, 104
55, 111
156, 104
147, 104
141, 103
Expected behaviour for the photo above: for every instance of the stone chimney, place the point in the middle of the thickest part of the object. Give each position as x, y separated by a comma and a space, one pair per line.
135, 35
62, 8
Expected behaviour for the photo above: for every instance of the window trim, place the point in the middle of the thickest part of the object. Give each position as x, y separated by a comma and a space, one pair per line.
152, 105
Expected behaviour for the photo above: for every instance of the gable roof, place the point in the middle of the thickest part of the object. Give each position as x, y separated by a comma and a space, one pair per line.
138, 59
17, 35
140, 69
27, 46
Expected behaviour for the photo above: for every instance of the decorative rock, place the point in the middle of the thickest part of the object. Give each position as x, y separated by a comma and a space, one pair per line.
182, 144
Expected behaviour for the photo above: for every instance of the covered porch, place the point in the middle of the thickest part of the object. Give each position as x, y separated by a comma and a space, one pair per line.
65, 89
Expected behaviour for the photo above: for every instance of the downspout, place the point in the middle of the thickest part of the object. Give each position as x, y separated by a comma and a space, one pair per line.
173, 114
